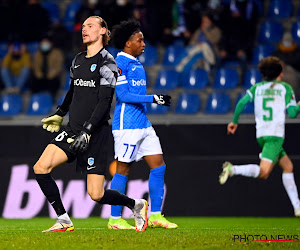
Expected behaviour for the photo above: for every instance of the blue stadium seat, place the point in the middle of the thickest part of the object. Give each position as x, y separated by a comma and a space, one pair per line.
226, 78
32, 47
249, 108
280, 9
40, 104
10, 104
3, 49
188, 104
53, 11
296, 31
69, 17
173, 55
270, 32
218, 103
167, 79
252, 76
195, 79
66, 85
150, 56
153, 108
260, 52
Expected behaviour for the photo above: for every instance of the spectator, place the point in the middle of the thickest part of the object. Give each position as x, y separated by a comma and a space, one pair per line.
47, 67
289, 53
238, 21
34, 22
15, 69
203, 43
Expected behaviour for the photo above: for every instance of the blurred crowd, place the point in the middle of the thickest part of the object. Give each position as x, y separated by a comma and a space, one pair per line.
214, 32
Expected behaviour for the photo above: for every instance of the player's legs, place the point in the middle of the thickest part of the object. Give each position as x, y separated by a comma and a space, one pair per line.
51, 158
119, 183
95, 187
289, 183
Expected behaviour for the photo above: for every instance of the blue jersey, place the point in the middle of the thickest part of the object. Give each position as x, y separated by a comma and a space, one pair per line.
130, 111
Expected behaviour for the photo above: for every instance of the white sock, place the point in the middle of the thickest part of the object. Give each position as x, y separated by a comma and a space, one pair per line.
157, 212
291, 188
64, 216
249, 170
115, 217
137, 202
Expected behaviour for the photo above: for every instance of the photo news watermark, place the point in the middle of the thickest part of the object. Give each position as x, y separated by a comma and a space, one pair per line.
243, 238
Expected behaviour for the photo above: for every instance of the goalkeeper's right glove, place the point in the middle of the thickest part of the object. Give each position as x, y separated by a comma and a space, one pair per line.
162, 100
53, 122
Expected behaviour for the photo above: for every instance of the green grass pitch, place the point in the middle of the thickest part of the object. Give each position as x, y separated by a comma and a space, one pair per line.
193, 233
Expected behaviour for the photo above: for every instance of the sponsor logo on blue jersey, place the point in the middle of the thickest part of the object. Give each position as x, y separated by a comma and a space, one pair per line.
141, 82
93, 67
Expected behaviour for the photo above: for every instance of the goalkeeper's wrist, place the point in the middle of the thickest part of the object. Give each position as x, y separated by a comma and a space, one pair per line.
60, 112
88, 127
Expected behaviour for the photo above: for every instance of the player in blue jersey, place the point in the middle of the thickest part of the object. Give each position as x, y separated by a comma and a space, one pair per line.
133, 133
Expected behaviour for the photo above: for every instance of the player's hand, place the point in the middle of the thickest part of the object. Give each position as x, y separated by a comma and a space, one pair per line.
53, 122
162, 100
81, 142
231, 128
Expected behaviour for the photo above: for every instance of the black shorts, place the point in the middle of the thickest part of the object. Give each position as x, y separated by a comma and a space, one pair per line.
92, 161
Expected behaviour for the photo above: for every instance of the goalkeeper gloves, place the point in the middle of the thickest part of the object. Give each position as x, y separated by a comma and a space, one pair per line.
53, 122
81, 142
162, 100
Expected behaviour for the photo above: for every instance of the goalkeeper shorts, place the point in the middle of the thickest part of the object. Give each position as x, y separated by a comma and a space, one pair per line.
92, 161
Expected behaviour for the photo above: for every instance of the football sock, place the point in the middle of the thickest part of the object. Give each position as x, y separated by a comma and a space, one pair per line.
118, 183
249, 170
113, 197
156, 187
50, 190
291, 188
64, 216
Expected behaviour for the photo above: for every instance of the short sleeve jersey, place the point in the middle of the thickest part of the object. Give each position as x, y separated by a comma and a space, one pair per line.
87, 75
130, 115
271, 99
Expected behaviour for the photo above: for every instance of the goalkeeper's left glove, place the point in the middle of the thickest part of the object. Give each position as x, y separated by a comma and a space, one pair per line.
53, 122
81, 142
162, 100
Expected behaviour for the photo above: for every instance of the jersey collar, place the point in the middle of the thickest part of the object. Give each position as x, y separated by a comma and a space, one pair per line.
122, 53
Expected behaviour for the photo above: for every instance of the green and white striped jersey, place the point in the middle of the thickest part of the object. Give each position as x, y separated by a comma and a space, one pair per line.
271, 99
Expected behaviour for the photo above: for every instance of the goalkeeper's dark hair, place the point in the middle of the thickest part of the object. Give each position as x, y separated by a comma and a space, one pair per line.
122, 32
270, 68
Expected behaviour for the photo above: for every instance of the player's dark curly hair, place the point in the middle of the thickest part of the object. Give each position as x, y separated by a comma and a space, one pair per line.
270, 68
123, 31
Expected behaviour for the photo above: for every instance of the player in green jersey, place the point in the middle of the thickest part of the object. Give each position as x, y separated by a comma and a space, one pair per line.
271, 97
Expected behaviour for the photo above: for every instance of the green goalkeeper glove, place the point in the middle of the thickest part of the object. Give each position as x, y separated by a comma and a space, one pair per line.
53, 122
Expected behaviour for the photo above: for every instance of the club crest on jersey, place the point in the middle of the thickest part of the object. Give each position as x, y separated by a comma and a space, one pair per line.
91, 161
93, 67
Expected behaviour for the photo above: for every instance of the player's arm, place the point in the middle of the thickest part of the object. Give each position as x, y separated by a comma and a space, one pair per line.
292, 107
108, 79
232, 126
123, 93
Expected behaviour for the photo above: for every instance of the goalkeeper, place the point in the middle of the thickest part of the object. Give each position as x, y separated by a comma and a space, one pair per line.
133, 133
93, 78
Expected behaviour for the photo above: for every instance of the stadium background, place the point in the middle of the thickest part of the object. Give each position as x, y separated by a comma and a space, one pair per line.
194, 141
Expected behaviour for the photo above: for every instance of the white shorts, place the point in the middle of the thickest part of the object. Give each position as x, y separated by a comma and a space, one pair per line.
134, 144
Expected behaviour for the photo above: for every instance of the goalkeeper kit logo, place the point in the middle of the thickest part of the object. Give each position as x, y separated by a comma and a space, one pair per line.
82, 83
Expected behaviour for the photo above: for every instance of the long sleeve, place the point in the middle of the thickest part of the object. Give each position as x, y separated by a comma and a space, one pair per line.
125, 96
239, 108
